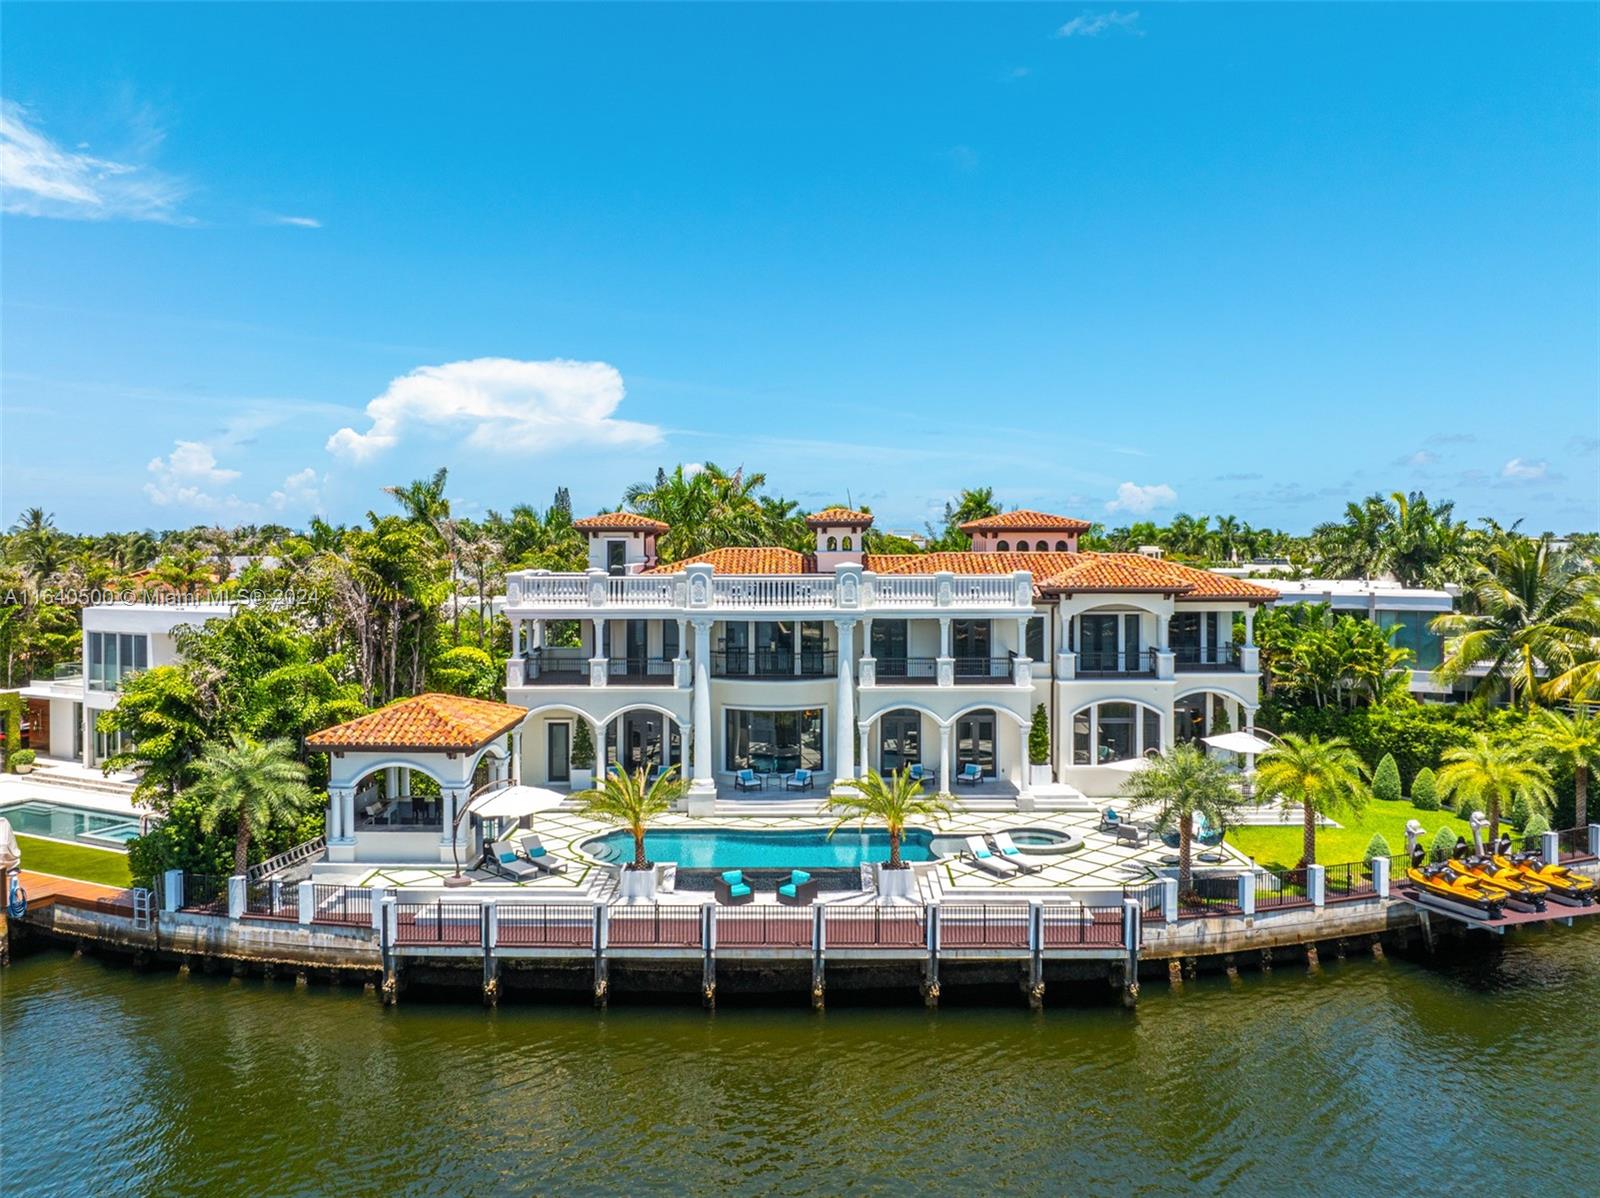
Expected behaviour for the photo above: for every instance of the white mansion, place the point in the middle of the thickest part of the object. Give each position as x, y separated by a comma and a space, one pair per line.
838, 661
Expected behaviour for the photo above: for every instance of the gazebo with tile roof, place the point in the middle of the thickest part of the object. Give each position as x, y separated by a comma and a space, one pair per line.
443, 737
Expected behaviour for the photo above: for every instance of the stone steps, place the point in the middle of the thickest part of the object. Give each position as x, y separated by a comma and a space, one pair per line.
78, 779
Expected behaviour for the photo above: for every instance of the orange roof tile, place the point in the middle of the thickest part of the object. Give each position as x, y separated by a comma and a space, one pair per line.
839, 515
620, 522
1025, 520
431, 721
1080, 572
757, 559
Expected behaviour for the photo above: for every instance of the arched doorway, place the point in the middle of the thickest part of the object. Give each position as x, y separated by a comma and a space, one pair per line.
975, 741
899, 740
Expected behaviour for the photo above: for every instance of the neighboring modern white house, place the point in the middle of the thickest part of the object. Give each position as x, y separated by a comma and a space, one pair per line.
836, 661
119, 640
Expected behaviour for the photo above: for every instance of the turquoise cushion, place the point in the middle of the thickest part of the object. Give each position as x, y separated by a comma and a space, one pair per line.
985, 853
1011, 852
739, 891
734, 876
507, 857
799, 877
536, 851
789, 891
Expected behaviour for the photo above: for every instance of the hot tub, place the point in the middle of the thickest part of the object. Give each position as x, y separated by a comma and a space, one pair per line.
1046, 842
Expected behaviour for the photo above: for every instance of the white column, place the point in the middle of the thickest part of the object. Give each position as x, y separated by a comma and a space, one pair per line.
447, 809
703, 774
946, 782
866, 741
391, 782
1249, 726
1249, 626
1024, 765
944, 636
405, 781
334, 815
845, 721
348, 820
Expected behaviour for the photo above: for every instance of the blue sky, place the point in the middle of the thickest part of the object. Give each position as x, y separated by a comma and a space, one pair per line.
260, 260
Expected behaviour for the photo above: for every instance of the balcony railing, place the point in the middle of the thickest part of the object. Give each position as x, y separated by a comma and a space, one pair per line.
769, 663
640, 671
1206, 657
768, 592
897, 671
556, 667
1105, 663
983, 669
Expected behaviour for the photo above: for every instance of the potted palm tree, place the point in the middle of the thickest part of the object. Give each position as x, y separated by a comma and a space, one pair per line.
254, 782
629, 801
1183, 783
1489, 775
1321, 777
891, 802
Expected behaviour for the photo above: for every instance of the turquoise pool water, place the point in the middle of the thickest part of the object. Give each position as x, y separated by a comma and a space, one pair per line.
61, 821
727, 848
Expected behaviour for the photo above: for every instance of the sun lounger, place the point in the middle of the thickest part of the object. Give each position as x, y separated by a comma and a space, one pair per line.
540, 857
990, 861
504, 859
1010, 852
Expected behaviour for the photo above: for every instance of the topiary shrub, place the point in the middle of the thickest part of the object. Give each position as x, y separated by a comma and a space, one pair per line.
22, 758
1386, 780
1536, 827
1425, 791
582, 754
1039, 737
1443, 846
1376, 847
1517, 816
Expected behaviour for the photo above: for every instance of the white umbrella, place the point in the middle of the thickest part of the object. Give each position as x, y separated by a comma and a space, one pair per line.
10, 854
1238, 742
1128, 765
514, 802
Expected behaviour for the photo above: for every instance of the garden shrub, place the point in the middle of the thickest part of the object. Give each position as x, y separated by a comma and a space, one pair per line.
1443, 846
1517, 816
1039, 737
1376, 847
1536, 827
1425, 791
22, 757
1386, 780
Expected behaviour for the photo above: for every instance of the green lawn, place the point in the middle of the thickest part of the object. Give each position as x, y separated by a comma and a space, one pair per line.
1279, 847
74, 861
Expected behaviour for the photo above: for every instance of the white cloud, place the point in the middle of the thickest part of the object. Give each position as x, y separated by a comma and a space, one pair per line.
299, 222
1140, 500
1093, 24
38, 177
505, 405
1422, 457
1523, 470
186, 476
299, 491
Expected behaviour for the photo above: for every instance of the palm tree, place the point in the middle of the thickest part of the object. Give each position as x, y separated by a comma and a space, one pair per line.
891, 801
255, 782
1491, 774
628, 801
1323, 777
1532, 612
1572, 741
424, 503
1184, 782
706, 508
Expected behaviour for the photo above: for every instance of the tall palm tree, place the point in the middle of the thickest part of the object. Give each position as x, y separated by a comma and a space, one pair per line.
1532, 612
1572, 741
1182, 783
630, 802
1492, 774
1321, 777
891, 801
425, 504
255, 782
706, 508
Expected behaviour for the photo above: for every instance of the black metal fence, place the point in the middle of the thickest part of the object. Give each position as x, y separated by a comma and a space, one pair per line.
655, 927
654, 671
348, 905
1211, 895
272, 900
1278, 890
544, 925
983, 925
1149, 896
761, 925
766, 663
1208, 657
206, 894
1348, 881
875, 927
1574, 844
439, 922
908, 669
1074, 925
1110, 661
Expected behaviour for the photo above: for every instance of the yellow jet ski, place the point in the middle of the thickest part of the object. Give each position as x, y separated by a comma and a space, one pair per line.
1564, 885
1453, 888
1521, 890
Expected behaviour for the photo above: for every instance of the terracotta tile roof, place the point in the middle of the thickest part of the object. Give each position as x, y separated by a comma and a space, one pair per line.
1080, 572
759, 559
839, 515
620, 522
1025, 520
431, 721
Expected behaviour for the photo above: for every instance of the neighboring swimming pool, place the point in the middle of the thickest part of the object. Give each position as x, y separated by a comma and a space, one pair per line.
61, 821
727, 848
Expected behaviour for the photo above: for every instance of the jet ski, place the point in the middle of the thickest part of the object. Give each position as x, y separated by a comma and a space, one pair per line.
1522, 892
1453, 887
1566, 887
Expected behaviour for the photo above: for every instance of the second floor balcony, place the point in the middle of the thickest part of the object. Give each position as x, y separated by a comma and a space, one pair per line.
774, 664
574, 667
1193, 658
1108, 663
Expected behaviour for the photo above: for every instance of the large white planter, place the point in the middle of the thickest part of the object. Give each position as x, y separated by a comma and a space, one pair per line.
897, 883
639, 883
581, 780
1040, 775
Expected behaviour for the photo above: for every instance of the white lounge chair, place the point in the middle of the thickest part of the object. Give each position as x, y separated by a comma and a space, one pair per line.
540, 857
1010, 852
505, 859
989, 861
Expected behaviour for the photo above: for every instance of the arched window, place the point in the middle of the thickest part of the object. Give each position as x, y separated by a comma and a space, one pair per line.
1022, 546
846, 544
833, 542
1061, 547
1114, 731
1003, 546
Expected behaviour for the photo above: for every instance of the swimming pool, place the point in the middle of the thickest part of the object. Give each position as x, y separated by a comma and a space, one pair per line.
61, 821
728, 848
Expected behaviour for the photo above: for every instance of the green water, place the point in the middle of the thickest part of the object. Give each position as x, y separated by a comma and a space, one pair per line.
1367, 1077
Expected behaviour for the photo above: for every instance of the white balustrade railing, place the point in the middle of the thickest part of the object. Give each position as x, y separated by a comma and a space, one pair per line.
910, 589
858, 592
758, 591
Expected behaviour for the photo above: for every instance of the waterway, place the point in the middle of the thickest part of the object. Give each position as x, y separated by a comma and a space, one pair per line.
1479, 1073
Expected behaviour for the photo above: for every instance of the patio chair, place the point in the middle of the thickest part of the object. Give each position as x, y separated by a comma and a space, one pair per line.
800, 890
1131, 834
1010, 852
971, 774
988, 860
732, 889
501, 857
923, 774
747, 780
799, 780
1110, 821
541, 857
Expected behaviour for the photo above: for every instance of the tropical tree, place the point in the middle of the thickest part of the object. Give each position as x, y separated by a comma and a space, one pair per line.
1183, 783
1532, 615
425, 505
630, 802
1321, 777
891, 801
251, 781
1571, 740
974, 503
1491, 775
705, 507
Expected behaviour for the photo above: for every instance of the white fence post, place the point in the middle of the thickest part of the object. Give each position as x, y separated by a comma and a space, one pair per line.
172, 890
1247, 893
1317, 884
236, 896
494, 924
1594, 840
308, 901
1380, 876
377, 907
1550, 847
1169, 900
